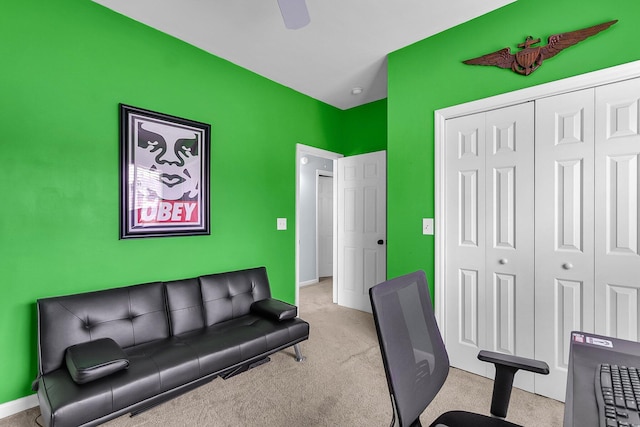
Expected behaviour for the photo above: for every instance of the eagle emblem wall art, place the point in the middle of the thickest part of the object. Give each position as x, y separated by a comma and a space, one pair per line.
530, 58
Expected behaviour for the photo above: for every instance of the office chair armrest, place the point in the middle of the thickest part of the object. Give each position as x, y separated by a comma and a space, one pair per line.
506, 367
531, 365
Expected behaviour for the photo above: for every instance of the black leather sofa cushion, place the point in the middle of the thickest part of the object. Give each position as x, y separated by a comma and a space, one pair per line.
176, 362
72, 404
274, 309
232, 342
95, 359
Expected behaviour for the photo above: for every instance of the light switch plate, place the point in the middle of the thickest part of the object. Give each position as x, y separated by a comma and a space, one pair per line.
427, 226
281, 224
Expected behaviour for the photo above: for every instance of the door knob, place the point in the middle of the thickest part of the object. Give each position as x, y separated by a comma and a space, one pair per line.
381, 242
567, 266
503, 261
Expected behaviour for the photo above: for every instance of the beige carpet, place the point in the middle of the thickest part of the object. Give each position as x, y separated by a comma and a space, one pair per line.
341, 383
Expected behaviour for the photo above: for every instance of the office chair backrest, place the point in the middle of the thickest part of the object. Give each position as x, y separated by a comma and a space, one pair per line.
414, 356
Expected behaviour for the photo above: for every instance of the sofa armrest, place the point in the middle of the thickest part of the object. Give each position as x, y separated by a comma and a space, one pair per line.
95, 359
274, 309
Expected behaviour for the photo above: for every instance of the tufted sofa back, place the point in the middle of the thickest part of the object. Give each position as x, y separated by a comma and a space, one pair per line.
130, 316
215, 298
137, 314
229, 295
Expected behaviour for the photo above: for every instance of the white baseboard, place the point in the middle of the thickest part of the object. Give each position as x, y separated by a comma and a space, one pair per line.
308, 282
10, 408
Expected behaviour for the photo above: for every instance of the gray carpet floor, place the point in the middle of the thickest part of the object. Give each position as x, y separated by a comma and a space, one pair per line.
341, 383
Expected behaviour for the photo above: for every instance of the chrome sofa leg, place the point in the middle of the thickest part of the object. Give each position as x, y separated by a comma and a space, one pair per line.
299, 356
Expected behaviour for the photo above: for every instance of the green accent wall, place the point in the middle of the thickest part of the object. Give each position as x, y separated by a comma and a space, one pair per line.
364, 128
65, 68
429, 75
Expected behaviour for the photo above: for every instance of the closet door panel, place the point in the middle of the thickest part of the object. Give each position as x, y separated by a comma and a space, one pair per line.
465, 332
489, 240
564, 242
509, 233
617, 190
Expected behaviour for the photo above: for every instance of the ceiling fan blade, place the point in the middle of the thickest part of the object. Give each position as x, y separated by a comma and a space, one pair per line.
294, 13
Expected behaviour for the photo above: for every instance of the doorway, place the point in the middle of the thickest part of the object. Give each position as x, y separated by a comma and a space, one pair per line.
358, 226
324, 224
313, 167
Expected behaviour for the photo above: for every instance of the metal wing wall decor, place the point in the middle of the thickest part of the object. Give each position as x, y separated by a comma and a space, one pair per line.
530, 58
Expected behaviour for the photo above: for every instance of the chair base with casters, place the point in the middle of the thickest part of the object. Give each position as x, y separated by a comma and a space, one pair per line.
416, 362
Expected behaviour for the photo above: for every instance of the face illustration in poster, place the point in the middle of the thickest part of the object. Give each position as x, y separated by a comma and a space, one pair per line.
166, 168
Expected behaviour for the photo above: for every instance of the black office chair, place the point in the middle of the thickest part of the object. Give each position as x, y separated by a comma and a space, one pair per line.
416, 361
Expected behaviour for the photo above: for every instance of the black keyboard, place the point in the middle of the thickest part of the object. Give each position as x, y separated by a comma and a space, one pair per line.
618, 395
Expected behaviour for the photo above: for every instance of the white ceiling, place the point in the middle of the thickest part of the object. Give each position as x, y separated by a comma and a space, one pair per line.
344, 46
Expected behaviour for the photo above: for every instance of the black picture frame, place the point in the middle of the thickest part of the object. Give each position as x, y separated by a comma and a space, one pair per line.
164, 175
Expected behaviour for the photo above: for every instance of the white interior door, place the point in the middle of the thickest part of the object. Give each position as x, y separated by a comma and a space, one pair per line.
564, 231
361, 254
325, 226
489, 272
617, 190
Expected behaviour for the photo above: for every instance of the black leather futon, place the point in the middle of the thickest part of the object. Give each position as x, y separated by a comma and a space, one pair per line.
107, 353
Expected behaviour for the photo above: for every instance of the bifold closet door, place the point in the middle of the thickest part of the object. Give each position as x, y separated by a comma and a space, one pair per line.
571, 230
617, 188
465, 311
564, 240
489, 241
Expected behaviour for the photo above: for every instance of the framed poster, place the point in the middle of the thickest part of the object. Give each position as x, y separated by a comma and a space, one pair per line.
164, 175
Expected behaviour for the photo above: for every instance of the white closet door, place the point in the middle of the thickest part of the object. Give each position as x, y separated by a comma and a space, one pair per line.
466, 314
489, 272
564, 230
617, 191
509, 242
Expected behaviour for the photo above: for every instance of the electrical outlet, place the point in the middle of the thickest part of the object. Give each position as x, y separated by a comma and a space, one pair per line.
281, 224
427, 226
